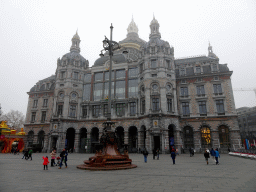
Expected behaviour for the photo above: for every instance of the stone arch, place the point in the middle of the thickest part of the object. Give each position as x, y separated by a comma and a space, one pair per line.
188, 137
30, 138
94, 139
171, 136
120, 137
83, 140
133, 139
70, 139
224, 136
40, 138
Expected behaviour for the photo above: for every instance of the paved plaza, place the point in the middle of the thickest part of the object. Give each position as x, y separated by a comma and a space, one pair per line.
188, 174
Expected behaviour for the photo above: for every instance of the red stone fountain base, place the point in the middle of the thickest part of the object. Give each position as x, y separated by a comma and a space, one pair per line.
109, 159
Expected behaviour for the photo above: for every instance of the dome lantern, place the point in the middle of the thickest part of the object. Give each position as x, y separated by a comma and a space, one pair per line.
75, 47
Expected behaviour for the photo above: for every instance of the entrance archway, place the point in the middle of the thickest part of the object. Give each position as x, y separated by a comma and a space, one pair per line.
120, 138
171, 129
30, 138
94, 139
40, 139
83, 140
224, 136
206, 137
188, 137
133, 139
70, 139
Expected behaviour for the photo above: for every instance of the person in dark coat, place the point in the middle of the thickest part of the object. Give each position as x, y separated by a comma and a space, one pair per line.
173, 155
213, 155
157, 153
145, 154
64, 158
207, 156
154, 153
26, 154
217, 156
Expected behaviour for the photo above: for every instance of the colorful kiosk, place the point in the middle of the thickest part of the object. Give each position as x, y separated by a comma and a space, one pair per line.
9, 137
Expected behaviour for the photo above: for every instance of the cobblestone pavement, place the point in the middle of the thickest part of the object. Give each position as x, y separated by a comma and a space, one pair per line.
188, 174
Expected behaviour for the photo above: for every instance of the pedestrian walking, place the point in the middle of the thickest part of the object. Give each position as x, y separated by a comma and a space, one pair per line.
157, 153
24, 152
207, 156
145, 154
45, 163
53, 156
64, 158
154, 153
213, 155
177, 151
217, 156
173, 155
30, 154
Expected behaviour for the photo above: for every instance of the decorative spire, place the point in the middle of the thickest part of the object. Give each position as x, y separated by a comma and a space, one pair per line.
132, 28
210, 52
75, 43
154, 27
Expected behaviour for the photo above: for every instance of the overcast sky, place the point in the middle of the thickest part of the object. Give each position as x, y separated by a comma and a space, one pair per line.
34, 34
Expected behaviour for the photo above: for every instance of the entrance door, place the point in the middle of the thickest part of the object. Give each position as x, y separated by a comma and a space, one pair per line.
54, 142
157, 142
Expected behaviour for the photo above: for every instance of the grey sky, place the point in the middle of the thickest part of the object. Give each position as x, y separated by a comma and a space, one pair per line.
34, 34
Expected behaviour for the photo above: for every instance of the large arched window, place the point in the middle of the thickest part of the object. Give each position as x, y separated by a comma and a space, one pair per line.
206, 137
224, 136
188, 137
120, 138
70, 139
40, 138
133, 137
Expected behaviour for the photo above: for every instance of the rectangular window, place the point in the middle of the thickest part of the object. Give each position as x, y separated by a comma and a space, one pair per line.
98, 90
155, 104
33, 117
72, 110
87, 77
217, 89
198, 69
62, 74
169, 105
143, 106
168, 63
96, 111
84, 111
214, 67
120, 109
43, 116
120, 89
107, 75
200, 91
182, 72
106, 89
153, 64
35, 103
202, 108
75, 75
98, 77
133, 87
154, 75
132, 108
185, 109
141, 67
220, 107
133, 72
87, 92
120, 74
45, 104
184, 91
48, 86
60, 110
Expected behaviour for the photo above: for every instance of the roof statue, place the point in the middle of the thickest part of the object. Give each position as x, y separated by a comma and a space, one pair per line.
210, 52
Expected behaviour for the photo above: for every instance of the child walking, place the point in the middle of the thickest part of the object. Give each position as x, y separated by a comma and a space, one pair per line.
45, 163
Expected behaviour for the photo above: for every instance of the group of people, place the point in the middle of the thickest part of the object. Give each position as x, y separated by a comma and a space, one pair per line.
27, 153
61, 159
214, 153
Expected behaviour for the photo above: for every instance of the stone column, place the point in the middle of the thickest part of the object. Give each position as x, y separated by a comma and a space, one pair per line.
77, 142
49, 144
197, 140
148, 142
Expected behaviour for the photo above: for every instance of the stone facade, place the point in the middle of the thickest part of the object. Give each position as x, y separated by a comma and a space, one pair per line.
157, 101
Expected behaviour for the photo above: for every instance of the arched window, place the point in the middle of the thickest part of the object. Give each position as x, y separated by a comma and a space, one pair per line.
224, 136
188, 137
206, 137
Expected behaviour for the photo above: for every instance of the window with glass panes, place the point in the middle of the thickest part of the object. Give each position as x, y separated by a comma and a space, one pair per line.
133, 108
120, 109
217, 89
106, 85
133, 72
33, 116
75, 75
143, 106
133, 87
35, 103
185, 109
155, 103
153, 63
168, 63
224, 136
184, 91
43, 116
141, 67
200, 90
98, 76
182, 72
87, 77
188, 137
198, 69
96, 111
72, 110
169, 104
120, 89
202, 107
62, 74
120, 74
107, 75
59, 110
220, 106
214, 67
98, 90
87, 92
84, 111
205, 137
45, 103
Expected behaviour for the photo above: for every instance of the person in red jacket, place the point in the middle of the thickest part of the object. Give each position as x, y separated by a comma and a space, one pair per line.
45, 163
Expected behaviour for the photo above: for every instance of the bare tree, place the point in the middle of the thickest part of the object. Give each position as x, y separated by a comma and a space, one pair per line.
15, 119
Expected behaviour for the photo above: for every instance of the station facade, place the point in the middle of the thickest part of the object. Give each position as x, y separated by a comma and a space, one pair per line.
158, 102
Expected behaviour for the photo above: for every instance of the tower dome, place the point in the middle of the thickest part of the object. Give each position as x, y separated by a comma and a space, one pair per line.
132, 28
